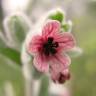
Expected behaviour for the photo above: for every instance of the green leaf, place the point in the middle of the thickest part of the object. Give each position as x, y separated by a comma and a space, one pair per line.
18, 27
10, 53
57, 16
10, 72
44, 86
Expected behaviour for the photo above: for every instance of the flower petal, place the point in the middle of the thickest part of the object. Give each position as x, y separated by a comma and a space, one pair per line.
35, 44
66, 41
60, 62
51, 27
60, 77
41, 63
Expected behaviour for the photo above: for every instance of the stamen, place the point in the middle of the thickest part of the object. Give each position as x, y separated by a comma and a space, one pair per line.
53, 50
50, 39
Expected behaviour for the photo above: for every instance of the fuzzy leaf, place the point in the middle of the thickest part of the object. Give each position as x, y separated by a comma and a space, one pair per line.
16, 25
9, 71
9, 53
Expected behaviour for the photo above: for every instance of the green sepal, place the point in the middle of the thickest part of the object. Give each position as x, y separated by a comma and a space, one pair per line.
58, 15
66, 27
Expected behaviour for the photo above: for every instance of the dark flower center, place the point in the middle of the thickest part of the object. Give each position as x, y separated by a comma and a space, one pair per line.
50, 46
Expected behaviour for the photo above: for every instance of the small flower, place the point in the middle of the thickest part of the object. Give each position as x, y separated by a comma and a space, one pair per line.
60, 77
49, 48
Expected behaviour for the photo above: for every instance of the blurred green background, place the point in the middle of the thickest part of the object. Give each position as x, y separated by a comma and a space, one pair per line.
83, 68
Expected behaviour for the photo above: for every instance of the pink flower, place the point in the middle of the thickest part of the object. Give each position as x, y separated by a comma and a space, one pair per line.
60, 77
49, 48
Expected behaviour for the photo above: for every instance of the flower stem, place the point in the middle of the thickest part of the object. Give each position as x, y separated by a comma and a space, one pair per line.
27, 72
28, 80
28, 88
44, 86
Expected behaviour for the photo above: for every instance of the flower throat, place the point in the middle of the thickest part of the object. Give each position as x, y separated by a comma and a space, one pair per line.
49, 48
